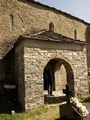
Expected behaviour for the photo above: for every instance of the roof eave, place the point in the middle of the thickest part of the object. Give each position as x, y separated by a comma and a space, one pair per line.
34, 38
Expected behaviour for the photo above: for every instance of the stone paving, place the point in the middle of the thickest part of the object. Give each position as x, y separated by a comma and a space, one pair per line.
57, 97
55, 93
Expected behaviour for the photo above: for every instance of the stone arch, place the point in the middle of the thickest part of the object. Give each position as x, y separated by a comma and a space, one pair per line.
60, 68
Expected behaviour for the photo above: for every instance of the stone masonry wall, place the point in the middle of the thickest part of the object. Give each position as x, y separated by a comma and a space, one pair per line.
60, 77
26, 17
36, 56
19, 74
18, 17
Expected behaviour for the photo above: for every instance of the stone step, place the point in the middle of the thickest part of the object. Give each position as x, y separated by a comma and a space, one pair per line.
57, 97
54, 99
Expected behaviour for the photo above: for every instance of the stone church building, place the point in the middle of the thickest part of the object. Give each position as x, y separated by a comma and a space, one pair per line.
34, 38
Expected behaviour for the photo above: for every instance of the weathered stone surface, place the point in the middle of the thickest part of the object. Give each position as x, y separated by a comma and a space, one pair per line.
25, 66
36, 56
29, 17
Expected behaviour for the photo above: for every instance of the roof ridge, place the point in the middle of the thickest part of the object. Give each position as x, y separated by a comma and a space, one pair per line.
38, 33
51, 36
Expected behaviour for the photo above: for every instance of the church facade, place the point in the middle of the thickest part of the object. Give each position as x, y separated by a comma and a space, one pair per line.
34, 38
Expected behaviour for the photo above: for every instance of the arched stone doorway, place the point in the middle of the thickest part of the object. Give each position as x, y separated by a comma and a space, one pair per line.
61, 74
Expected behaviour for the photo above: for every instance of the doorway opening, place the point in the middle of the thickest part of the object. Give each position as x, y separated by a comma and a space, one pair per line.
61, 74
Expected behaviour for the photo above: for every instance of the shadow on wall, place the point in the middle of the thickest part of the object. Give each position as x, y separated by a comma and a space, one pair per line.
6, 71
8, 98
7, 104
7, 68
87, 34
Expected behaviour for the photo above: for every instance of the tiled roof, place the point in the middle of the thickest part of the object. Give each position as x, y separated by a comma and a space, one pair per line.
52, 36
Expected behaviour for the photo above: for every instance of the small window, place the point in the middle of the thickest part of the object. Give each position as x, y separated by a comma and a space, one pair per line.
11, 22
75, 34
51, 27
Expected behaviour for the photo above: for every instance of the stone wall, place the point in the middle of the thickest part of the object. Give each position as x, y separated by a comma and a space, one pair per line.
60, 77
18, 17
28, 17
19, 74
36, 56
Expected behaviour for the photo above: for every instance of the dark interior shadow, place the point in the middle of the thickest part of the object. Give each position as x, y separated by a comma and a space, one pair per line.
8, 103
8, 97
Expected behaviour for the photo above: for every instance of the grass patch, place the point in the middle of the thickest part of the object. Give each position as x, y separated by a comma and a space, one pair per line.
11, 117
42, 113
35, 112
47, 112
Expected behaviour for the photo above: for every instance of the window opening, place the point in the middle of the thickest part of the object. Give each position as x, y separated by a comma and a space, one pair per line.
11, 22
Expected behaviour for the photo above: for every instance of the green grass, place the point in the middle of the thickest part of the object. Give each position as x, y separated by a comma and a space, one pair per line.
11, 117
41, 113
47, 112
